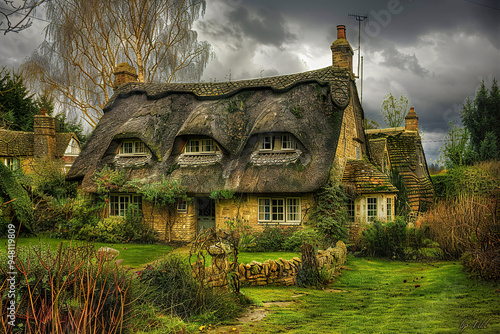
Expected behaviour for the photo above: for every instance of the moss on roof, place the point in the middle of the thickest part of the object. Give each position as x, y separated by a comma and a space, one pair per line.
366, 178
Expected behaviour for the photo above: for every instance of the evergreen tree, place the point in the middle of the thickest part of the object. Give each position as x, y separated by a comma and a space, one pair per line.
17, 106
481, 118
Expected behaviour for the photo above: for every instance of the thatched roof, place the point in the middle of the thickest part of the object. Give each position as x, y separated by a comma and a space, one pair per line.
366, 178
309, 106
20, 144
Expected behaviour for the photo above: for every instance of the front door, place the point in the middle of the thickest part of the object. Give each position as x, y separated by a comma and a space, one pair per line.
206, 213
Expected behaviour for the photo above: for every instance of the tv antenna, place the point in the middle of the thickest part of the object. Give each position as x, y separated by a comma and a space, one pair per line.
359, 18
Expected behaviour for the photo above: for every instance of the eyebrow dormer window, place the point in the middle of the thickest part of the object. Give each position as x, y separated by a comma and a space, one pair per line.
132, 147
201, 146
278, 143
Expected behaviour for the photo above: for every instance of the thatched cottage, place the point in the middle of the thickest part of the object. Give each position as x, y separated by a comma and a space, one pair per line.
271, 141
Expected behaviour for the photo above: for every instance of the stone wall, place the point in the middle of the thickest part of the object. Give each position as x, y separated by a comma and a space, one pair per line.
284, 272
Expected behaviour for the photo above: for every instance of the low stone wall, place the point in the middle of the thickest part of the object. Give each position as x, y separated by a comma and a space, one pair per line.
284, 272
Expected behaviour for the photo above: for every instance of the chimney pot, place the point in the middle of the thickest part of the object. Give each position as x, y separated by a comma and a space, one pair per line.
43, 111
341, 32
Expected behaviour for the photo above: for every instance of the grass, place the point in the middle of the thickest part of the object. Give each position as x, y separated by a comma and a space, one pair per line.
247, 257
133, 255
372, 297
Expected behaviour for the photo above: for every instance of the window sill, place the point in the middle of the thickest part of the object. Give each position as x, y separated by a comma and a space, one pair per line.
278, 223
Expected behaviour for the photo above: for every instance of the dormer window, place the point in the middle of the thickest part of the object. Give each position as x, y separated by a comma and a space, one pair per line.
201, 146
278, 143
132, 147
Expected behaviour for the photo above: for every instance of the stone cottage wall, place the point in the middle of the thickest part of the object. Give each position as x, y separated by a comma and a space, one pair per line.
184, 228
248, 209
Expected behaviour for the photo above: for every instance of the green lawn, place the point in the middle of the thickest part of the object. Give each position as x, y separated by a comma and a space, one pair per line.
372, 297
133, 255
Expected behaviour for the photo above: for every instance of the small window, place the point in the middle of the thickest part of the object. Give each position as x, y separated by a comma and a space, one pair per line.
119, 204
73, 148
12, 163
350, 210
200, 146
358, 153
132, 147
287, 143
372, 209
267, 143
389, 209
182, 206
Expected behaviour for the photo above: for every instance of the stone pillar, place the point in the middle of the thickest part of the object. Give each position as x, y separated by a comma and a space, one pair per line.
341, 50
411, 120
44, 129
124, 73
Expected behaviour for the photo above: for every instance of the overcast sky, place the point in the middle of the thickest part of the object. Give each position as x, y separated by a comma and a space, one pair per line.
435, 52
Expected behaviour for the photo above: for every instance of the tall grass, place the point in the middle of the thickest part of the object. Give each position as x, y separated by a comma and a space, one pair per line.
72, 290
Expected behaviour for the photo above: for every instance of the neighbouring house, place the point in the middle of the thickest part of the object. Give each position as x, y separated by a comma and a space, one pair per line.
272, 142
20, 149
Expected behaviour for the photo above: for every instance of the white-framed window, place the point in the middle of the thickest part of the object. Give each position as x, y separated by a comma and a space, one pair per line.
389, 209
267, 143
200, 146
280, 210
12, 163
350, 210
278, 143
293, 210
287, 143
119, 203
371, 212
182, 206
132, 147
264, 209
73, 148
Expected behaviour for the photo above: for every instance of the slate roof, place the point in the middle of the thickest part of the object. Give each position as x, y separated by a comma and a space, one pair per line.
20, 144
309, 106
366, 178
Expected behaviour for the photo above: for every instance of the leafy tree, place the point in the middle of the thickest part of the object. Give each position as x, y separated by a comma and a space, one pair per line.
456, 150
86, 39
481, 118
394, 110
17, 106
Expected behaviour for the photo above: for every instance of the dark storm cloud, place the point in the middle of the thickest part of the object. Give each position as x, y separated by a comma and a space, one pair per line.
406, 62
265, 26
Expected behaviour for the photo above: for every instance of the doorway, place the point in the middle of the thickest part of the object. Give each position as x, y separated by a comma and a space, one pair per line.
205, 207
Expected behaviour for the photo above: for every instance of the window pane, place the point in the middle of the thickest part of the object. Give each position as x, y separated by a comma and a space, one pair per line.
208, 145
277, 209
127, 147
182, 206
350, 210
264, 209
293, 210
267, 143
139, 147
389, 209
193, 146
372, 208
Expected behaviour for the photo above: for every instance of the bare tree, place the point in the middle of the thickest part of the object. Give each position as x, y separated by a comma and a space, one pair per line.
16, 16
86, 39
394, 110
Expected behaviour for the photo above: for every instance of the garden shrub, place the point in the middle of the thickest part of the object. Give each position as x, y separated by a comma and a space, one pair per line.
171, 288
299, 237
386, 239
272, 239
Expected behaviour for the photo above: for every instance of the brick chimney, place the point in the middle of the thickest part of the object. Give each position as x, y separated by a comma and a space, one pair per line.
44, 129
411, 120
124, 73
341, 50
